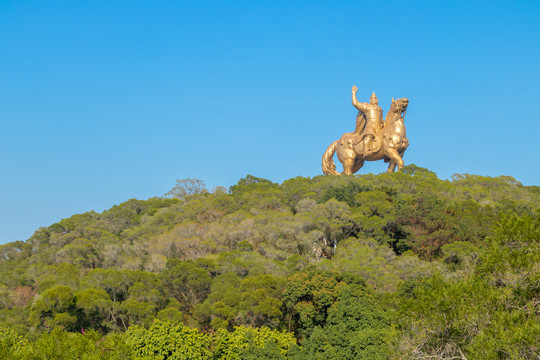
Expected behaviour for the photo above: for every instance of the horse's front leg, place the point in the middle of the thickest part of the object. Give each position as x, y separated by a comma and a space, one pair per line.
358, 163
395, 159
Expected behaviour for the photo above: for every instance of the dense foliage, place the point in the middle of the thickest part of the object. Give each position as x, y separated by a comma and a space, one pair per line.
401, 265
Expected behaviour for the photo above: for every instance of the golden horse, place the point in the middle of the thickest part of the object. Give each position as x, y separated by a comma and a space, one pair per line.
389, 145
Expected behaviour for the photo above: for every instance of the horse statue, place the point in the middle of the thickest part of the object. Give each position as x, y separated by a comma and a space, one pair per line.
389, 143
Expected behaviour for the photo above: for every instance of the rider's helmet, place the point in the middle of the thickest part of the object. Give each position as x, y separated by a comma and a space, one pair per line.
373, 99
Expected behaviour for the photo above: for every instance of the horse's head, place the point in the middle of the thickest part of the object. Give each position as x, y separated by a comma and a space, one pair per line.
399, 106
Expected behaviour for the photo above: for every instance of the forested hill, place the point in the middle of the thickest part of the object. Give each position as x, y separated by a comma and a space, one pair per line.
400, 265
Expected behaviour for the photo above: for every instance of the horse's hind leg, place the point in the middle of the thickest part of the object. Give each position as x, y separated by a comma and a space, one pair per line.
347, 157
348, 166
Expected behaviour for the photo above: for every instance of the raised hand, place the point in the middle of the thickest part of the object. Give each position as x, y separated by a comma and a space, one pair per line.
354, 89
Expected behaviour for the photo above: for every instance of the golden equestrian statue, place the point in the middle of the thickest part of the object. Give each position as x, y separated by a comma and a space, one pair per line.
373, 139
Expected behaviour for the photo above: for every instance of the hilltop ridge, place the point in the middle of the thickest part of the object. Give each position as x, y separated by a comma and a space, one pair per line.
243, 256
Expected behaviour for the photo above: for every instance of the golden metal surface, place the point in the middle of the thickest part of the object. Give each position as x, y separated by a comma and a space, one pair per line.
372, 139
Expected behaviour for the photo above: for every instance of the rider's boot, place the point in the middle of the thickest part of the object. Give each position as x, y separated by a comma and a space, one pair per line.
368, 139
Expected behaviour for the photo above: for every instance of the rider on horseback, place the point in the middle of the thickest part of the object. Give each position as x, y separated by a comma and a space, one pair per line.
373, 114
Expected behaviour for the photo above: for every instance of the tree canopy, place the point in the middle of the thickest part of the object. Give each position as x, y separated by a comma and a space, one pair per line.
389, 266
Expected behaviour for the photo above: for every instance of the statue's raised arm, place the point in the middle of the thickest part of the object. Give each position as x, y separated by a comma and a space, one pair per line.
360, 106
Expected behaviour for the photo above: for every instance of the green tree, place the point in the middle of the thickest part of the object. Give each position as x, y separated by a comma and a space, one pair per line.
55, 308
252, 343
186, 282
11, 344
252, 301
357, 326
164, 340
307, 296
94, 308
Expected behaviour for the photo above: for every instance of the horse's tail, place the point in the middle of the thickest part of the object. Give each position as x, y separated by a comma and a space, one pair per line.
328, 166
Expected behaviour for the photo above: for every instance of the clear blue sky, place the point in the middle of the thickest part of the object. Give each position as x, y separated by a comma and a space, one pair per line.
103, 101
